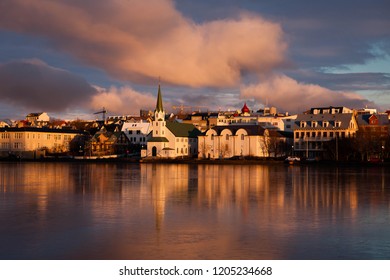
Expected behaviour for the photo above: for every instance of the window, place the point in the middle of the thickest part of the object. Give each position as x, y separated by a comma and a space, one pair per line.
212, 136
138, 131
313, 134
17, 145
296, 134
303, 124
313, 124
242, 137
227, 137
325, 124
331, 134
325, 134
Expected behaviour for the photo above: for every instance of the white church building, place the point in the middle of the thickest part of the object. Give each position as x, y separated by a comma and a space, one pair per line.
170, 139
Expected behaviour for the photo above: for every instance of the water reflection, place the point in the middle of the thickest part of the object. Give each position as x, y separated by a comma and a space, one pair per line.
179, 211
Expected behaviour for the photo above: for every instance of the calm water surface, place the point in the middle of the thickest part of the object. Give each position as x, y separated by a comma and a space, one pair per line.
179, 211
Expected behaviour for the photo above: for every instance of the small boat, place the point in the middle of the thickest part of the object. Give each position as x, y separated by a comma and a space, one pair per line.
292, 160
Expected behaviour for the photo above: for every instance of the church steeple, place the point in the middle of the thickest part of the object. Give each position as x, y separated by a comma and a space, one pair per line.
159, 104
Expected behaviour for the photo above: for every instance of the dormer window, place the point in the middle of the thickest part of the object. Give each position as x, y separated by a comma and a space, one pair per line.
303, 124
325, 123
313, 124
337, 124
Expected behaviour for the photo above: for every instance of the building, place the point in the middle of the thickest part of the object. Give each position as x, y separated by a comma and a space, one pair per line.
38, 119
31, 142
314, 130
170, 139
108, 143
137, 132
372, 136
231, 141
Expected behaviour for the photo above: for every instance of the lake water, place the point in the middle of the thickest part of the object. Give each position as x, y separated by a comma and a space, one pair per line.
180, 211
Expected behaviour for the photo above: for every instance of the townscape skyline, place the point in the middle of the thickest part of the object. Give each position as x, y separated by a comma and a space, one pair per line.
70, 59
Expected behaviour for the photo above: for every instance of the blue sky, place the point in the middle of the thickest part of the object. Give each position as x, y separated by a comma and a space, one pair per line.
70, 58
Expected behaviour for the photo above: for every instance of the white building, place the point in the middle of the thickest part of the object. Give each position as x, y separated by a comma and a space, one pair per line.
137, 132
38, 119
170, 139
240, 141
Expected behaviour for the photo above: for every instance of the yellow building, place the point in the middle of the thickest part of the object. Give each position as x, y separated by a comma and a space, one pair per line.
29, 141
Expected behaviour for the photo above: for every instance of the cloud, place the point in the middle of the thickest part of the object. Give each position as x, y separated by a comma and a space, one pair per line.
37, 86
289, 95
123, 101
142, 40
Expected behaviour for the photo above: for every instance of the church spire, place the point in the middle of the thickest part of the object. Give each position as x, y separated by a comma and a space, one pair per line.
159, 105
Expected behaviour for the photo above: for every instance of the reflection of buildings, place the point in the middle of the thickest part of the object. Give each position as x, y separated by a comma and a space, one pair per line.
276, 191
164, 182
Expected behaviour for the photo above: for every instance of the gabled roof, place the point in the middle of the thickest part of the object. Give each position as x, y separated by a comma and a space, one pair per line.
183, 129
34, 114
331, 120
158, 139
364, 119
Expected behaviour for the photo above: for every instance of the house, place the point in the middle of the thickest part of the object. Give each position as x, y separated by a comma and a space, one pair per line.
170, 139
108, 141
5, 123
317, 128
372, 136
29, 142
38, 119
137, 131
240, 140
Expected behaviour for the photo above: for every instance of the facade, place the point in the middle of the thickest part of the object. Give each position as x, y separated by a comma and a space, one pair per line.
372, 136
137, 132
38, 119
314, 130
232, 141
170, 139
28, 141
109, 143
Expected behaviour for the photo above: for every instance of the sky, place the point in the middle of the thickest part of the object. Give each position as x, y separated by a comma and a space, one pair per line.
72, 58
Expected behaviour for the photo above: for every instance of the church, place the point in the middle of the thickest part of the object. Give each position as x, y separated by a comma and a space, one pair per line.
170, 139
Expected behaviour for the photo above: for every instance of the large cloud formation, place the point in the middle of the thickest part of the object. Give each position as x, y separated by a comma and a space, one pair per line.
142, 40
290, 95
123, 101
38, 86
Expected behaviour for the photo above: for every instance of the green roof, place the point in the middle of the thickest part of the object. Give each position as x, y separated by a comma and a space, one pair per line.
158, 139
183, 129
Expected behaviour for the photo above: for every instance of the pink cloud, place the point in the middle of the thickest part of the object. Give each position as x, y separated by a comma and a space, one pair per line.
288, 94
142, 40
122, 101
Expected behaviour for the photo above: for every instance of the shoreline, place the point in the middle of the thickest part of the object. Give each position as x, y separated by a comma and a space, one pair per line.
192, 161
